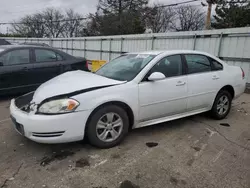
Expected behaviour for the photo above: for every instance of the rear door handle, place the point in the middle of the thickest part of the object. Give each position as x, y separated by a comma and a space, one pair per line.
215, 77
180, 83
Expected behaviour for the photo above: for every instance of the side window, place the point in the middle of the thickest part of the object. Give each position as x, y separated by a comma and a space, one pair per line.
15, 57
216, 64
197, 63
59, 57
170, 66
45, 55
3, 59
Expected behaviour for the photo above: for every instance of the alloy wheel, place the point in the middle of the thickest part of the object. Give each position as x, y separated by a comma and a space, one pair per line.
223, 105
109, 127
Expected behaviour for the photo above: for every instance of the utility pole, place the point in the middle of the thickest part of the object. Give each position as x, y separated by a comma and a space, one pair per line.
208, 19
209, 10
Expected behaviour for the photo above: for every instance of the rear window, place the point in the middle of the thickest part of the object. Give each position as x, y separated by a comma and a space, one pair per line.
197, 63
216, 65
43, 55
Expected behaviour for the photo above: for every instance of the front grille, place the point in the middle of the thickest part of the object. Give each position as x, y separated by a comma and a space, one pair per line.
23, 102
18, 126
50, 134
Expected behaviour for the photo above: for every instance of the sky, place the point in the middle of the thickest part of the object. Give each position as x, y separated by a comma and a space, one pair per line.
11, 10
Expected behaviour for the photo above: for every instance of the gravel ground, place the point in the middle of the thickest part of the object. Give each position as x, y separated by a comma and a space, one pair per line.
191, 152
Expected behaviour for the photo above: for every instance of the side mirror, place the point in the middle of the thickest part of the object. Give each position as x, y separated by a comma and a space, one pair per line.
156, 76
1, 64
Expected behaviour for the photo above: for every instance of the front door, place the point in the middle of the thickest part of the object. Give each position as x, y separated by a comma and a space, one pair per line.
165, 97
15, 71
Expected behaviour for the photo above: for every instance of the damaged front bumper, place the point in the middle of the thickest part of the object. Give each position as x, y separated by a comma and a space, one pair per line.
46, 128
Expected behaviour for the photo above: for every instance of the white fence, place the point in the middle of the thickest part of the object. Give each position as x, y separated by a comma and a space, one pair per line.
231, 45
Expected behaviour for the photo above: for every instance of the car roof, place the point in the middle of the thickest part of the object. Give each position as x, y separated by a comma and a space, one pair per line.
5, 47
4, 42
34, 43
153, 52
169, 52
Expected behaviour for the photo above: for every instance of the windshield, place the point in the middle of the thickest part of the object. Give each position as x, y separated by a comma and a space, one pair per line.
125, 67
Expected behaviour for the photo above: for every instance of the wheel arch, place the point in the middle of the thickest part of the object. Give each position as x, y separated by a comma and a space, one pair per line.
123, 105
228, 88
214, 112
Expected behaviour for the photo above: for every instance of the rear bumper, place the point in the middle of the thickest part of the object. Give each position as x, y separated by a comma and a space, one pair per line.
49, 128
239, 89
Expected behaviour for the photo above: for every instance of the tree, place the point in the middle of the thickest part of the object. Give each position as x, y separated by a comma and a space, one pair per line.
188, 18
159, 18
10, 35
114, 17
54, 26
30, 26
120, 6
74, 26
50, 23
209, 11
231, 14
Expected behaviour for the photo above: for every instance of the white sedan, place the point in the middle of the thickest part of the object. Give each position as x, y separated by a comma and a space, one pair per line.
134, 90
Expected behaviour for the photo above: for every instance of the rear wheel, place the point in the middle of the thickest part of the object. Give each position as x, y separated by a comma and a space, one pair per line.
222, 105
108, 126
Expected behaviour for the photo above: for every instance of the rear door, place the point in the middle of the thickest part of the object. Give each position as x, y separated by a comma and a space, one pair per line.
15, 70
47, 64
203, 82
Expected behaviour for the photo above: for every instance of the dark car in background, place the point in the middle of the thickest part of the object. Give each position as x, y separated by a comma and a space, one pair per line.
4, 42
23, 67
35, 44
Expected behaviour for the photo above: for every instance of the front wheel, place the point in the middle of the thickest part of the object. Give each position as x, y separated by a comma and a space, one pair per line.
222, 105
108, 126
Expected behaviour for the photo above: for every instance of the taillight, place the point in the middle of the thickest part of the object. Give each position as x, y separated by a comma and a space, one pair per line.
88, 65
243, 73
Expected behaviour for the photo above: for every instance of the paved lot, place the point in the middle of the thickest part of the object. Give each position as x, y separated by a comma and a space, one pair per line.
191, 152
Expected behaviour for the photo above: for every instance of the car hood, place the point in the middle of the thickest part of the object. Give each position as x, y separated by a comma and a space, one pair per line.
72, 83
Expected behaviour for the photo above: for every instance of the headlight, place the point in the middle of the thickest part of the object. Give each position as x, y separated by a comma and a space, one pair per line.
59, 106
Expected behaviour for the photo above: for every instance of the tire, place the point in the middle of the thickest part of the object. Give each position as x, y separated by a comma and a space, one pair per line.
215, 111
102, 118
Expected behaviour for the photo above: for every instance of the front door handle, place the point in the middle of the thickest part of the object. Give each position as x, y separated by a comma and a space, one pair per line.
180, 83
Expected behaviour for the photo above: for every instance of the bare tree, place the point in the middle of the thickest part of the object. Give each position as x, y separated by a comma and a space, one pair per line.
48, 23
53, 22
75, 25
30, 26
188, 18
112, 17
159, 18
